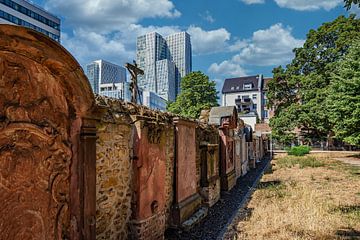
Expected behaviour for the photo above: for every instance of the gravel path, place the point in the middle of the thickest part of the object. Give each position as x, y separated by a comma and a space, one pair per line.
223, 212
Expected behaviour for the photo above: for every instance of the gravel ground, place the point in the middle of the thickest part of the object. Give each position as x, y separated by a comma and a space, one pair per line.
223, 212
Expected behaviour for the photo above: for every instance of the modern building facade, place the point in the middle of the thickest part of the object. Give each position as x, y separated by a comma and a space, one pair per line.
153, 100
26, 14
179, 45
164, 62
107, 78
247, 94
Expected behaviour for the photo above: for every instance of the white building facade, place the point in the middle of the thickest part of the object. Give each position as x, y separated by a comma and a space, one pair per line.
26, 14
247, 94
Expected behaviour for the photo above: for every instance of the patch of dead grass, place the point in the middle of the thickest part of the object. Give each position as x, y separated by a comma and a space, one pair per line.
295, 202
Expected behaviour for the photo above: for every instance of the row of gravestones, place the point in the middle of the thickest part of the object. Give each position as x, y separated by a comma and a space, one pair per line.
48, 120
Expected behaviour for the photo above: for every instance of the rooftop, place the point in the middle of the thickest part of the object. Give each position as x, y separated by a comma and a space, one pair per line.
242, 84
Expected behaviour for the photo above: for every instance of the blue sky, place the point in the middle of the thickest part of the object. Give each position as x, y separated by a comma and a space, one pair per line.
230, 38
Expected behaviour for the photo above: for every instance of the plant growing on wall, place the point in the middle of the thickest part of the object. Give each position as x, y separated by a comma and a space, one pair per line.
197, 93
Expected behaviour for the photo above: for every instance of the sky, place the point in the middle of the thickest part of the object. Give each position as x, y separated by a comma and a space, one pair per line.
230, 38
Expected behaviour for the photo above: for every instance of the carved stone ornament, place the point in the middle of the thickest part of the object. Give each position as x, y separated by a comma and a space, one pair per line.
38, 108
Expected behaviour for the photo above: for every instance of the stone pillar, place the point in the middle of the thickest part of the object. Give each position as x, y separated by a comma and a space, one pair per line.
244, 156
238, 163
187, 199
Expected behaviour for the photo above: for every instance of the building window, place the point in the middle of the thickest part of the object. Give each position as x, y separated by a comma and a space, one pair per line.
266, 114
254, 96
254, 106
247, 86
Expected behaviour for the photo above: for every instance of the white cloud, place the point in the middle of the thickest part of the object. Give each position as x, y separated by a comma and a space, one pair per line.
268, 47
107, 15
117, 46
356, 10
272, 46
309, 5
205, 42
207, 17
253, 1
227, 68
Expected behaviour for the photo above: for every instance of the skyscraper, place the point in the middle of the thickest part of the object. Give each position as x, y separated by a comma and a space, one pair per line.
23, 13
106, 78
164, 61
179, 45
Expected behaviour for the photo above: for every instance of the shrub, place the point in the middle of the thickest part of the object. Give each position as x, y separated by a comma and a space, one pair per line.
299, 150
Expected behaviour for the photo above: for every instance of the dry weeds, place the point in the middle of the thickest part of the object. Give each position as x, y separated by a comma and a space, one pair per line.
303, 201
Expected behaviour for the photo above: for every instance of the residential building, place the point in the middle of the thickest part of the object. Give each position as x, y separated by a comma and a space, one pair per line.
268, 112
164, 61
247, 94
107, 78
179, 45
25, 13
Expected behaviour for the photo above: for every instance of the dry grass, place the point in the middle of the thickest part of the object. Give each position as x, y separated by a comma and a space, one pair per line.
312, 197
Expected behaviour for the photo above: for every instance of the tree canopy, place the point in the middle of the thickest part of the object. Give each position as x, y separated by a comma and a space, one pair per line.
197, 93
348, 3
343, 101
298, 93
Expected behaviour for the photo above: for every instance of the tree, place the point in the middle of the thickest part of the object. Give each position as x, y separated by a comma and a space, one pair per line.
343, 101
298, 93
197, 93
348, 3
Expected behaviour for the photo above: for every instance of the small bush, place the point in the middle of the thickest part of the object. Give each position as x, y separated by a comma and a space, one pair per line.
299, 150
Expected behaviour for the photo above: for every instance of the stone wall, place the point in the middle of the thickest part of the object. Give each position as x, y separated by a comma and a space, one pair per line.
114, 172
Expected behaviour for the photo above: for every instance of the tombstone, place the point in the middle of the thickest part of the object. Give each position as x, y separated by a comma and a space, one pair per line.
226, 120
209, 165
187, 198
149, 166
47, 140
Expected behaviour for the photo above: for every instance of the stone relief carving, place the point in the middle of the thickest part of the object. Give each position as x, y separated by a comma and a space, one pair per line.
35, 152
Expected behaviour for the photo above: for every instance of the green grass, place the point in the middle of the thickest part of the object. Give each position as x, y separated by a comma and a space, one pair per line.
273, 189
352, 211
302, 162
299, 150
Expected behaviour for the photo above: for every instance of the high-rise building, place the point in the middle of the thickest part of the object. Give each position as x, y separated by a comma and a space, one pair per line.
106, 78
165, 76
24, 13
150, 48
164, 61
179, 45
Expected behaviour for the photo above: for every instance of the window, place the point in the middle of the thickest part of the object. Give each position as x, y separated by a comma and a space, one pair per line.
247, 86
254, 96
245, 97
254, 106
266, 114
232, 88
